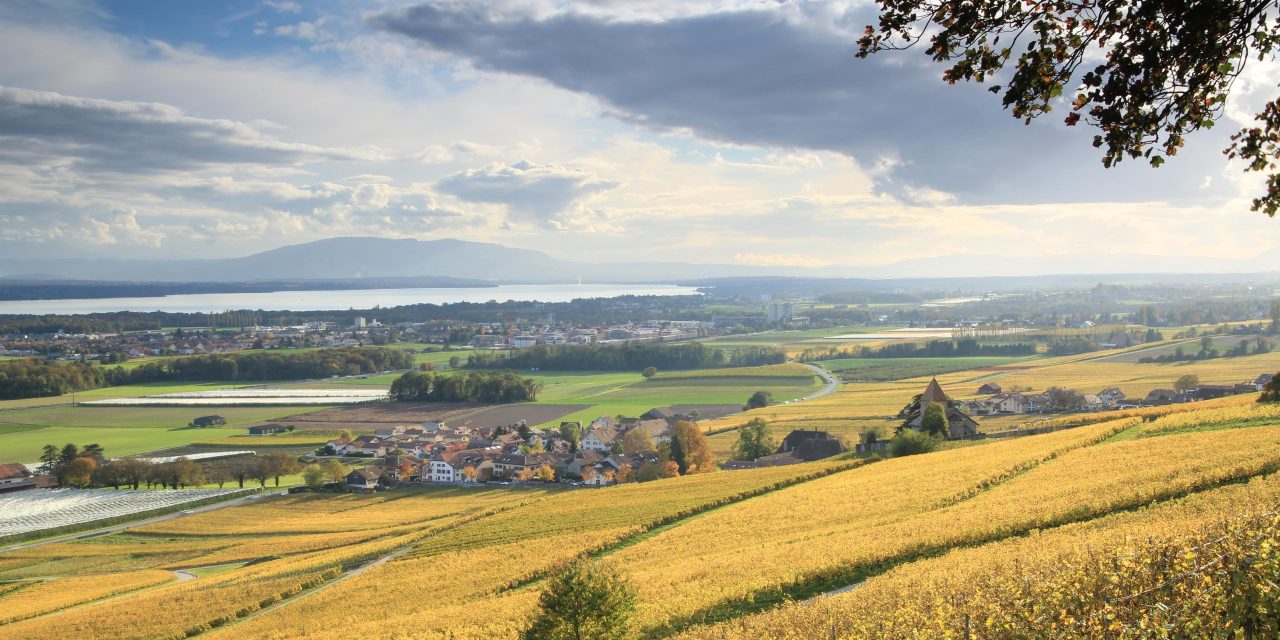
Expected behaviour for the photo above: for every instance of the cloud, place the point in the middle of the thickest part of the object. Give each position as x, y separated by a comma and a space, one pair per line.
118, 136
532, 192
783, 75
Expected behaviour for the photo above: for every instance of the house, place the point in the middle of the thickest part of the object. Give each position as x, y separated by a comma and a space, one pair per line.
267, 429
403, 467
659, 431
1009, 403
510, 465
582, 460
441, 469
959, 424
599, 439
1164, 396
604, 421
1093, 403
988, 389
661, 413
15, 477
1211, 391
209, 421
366, 446
363, 479
1111, 395
338, 445
1261, 382
811, 445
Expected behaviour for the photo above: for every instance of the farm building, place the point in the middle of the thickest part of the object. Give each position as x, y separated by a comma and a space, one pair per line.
811, 445
363, 480
209, 421
266, 429
959, 424
988, 389
15, 477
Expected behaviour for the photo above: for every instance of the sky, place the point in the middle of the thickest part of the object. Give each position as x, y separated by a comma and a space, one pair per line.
734, 132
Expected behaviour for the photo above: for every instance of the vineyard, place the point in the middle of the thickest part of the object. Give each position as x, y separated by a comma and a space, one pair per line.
1075, 533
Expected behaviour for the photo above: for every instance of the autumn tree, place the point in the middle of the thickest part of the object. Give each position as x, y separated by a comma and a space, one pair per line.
668, 469
755, 440
334, 471
649, 372
1144, 73
524, 475
313, 475
469, 473
79, 472
546, 473
583, 600
689, 449
280, 464
1186, 382
637, 440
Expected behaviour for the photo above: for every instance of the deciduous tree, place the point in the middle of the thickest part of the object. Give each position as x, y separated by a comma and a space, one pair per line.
1144, 73
79, 472
583, 600
637, 440
334, 471
313, 475
689, 449
1186, 382
755, 440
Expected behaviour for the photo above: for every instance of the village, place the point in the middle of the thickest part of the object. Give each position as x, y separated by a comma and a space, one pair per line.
606, 451
613, 450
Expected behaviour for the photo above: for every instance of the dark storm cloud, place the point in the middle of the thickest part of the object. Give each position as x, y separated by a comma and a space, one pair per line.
788, 78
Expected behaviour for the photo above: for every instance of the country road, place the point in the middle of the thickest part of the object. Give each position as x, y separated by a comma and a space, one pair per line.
831, 383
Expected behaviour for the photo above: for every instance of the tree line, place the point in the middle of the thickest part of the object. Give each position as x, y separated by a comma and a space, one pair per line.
490, 387
948, 349
630, 356
35, 378
87, 466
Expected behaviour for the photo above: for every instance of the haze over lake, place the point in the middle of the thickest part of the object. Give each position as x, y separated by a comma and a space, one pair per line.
341, 299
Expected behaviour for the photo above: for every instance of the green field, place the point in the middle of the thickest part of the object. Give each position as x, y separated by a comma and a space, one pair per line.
630, 394
121, 430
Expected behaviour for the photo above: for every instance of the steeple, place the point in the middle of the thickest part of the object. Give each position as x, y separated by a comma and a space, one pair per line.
933, 393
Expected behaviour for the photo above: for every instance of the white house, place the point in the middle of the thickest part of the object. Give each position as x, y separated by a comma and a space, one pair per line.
599, 439
442, 471
1009, 403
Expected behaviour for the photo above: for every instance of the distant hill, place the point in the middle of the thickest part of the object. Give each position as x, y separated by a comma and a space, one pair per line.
345, 259
357, 258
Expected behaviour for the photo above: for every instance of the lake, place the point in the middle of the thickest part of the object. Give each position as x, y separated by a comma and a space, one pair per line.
342, 299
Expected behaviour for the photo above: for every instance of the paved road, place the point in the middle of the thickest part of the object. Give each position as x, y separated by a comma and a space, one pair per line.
138, 523
831, 383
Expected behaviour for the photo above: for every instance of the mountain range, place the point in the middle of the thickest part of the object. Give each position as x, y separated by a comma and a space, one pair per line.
341, 259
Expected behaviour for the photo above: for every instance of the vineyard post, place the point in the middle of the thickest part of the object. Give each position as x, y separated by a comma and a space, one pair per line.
966, 626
